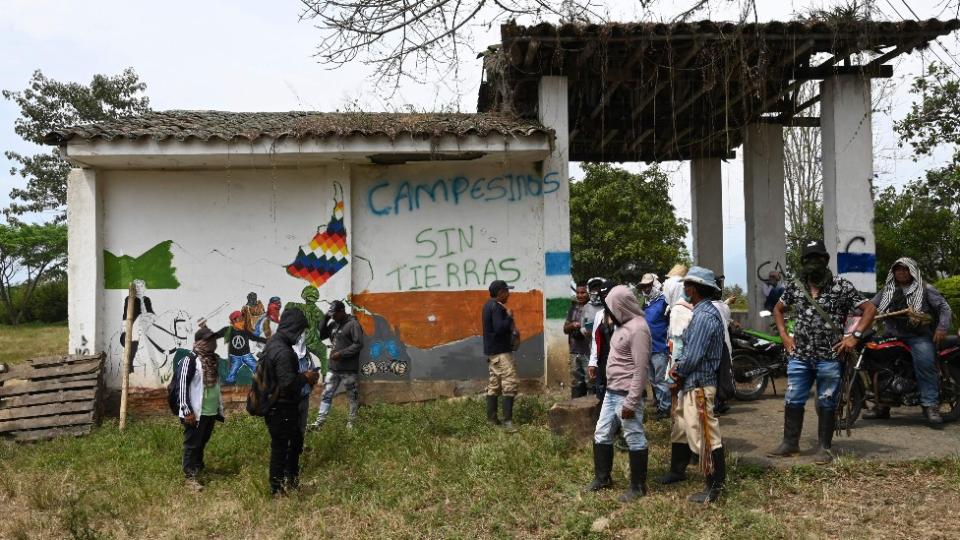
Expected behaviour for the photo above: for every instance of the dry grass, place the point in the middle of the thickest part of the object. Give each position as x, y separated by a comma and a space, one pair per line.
26, 341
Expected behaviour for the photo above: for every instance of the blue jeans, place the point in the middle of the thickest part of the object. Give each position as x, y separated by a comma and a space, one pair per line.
925, 368
236, 361
661, 390
610, 420
801, 373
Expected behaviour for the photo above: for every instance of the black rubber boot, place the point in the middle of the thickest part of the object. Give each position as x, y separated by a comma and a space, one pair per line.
826, 424
638, 476
932, 414
792, 426
679, 459
508, 414
492, 410
578, 390
602, 465
715, 481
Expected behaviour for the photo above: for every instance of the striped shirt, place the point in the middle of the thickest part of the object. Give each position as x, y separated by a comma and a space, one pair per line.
702, 347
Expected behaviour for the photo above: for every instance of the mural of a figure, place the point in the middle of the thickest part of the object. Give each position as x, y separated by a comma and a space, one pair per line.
237, 339
314, 314
252, 312
263, 326
143, 318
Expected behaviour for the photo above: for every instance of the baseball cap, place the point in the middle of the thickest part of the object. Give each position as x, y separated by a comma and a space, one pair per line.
814, 247
497, 286
236, 316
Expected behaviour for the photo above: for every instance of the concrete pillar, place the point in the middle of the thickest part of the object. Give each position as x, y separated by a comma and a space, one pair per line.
552, 113
84, 262
706, 200
848, 179
764, 211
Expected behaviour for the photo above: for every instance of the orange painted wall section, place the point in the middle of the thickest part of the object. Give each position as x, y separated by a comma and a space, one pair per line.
456, 314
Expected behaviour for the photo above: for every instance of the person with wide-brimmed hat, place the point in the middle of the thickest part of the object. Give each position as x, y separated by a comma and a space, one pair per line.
695, 426
821, 302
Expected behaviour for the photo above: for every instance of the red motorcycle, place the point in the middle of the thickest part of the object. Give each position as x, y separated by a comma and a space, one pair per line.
883, 375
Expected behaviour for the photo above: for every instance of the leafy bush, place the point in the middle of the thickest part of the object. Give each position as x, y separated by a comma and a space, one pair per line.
49, 302
950, 288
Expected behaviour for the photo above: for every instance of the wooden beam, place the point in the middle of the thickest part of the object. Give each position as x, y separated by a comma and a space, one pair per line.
896, 51
794, 121
532, 49
634, 60
874, 71
609, 137
663, 84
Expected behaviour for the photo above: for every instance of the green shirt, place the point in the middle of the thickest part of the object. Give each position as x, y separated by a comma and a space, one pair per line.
211, 401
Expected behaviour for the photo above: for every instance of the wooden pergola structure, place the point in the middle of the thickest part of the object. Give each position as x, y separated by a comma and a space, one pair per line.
659, 92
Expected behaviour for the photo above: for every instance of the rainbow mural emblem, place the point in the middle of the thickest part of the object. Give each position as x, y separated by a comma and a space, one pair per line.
328, 252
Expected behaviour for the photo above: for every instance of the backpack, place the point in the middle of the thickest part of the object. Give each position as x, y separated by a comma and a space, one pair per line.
264, 390
725, 383
173, 387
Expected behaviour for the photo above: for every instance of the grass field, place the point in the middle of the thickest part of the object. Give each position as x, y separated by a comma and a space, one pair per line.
19, 343
437, 470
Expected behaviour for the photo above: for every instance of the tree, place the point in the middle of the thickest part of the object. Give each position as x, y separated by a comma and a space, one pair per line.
29, 253
404, 39
617, 217
47, 104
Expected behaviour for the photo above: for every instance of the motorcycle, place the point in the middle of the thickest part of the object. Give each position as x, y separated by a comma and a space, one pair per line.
883, 375
757, 359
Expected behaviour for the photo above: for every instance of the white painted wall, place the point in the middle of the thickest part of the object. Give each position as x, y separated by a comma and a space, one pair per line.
233, 232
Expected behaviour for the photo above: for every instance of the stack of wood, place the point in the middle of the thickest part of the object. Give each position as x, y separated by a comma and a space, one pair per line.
49, 397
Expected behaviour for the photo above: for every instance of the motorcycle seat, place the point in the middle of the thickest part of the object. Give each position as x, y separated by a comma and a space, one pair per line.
949, 342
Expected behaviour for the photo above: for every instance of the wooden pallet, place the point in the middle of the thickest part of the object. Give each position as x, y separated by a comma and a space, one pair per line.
51, 396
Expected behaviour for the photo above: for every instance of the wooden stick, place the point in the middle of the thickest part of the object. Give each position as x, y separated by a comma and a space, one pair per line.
127, 347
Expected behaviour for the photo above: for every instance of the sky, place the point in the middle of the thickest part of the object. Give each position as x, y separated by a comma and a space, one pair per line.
244, 55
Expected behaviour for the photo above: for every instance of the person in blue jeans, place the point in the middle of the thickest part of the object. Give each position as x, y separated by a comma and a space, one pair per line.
905, 288
238, 339
655, 312
821, 303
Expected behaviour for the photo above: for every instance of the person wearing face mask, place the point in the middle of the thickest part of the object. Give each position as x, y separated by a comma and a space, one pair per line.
579, 343
201, 403
821, 303
655, 312
905, 288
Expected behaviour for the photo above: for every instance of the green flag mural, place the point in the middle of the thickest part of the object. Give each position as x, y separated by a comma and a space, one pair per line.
154, 267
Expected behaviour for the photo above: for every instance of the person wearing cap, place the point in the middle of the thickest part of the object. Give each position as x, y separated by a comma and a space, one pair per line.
695, 426
499, 337
346, 338
579, 342
655, 311
238, 339
627, 370
906, 289
821, 302
201, 403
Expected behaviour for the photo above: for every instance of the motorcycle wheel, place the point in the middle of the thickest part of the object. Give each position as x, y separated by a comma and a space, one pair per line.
856, 404
744, 388
950, 395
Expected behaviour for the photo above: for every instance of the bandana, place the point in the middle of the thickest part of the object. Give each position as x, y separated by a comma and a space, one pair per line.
205, 351
656, 291
911, 297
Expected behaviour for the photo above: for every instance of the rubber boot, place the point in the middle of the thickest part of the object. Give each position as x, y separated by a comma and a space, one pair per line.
932, 414
602, 465
826, 424
508, 414
492, 406
792, 426
679, 459
715, 481
638, 476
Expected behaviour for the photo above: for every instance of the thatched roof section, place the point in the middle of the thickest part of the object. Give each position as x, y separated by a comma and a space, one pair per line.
249, 126
656, 92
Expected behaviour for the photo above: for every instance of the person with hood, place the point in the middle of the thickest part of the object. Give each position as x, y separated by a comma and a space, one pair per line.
673, 285
821, 303
579, 343
282, 368
905, 288
695, 426
655, 311
201, 403
622, 405
346, 338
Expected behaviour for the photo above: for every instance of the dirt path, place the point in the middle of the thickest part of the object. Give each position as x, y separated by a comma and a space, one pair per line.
752, 428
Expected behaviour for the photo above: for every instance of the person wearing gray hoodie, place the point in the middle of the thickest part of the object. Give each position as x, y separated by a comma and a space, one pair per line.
346, 338
622, 407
